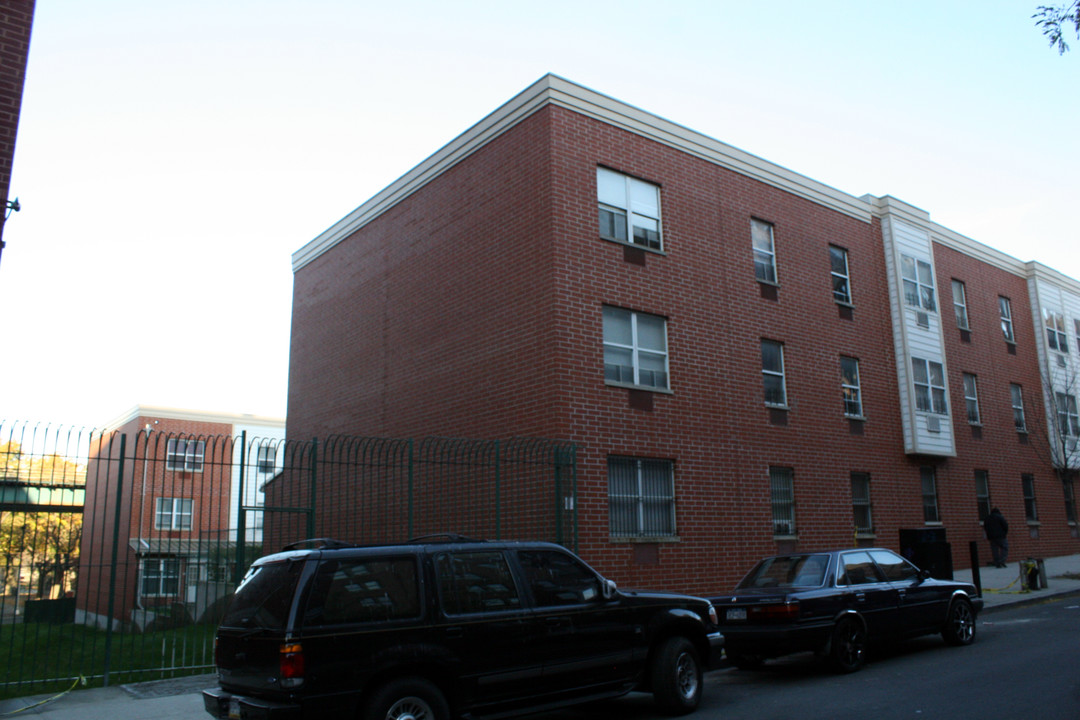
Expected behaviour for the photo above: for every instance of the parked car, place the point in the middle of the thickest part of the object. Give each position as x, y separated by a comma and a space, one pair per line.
835, 603
447, 627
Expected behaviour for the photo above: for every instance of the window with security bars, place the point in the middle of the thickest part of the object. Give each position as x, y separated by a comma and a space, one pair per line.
860, 502
918, 279
1027, 483
782, 497
185, 455
971, 399
929, 495
641, 497
629, 209
849, 387
1016, 394
982, 493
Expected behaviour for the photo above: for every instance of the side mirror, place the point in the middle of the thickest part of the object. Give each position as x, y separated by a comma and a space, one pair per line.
607, 589
923, 575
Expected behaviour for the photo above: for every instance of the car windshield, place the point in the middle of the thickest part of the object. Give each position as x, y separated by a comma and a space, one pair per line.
788, 571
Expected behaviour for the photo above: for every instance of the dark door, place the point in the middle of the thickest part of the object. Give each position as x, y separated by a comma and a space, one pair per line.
586, 640
922, 602
865, 590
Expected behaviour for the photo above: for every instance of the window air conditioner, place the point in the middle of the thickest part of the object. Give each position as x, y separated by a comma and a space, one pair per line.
922, 319
933, 423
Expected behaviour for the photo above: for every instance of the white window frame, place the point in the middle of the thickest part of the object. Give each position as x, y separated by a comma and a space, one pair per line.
1068, 418
164, 570
174, 513
971, 399
639, 356
850, 387
861, 505
185, 455
632, 207
918, 280
641, 497
959, 293
841, 274
782, 500
763, 241
930, 396
266, 459
1016, 395
928, 483
1005, 311
770, 373
1056, 338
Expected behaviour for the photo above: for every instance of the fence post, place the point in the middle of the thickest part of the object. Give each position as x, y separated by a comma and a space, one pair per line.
113, 560
241, 514
311, 493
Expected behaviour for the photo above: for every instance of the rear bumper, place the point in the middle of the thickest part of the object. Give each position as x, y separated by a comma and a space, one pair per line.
224, 705
774, 641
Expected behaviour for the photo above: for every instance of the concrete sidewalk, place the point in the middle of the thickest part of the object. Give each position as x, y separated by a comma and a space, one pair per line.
181, 699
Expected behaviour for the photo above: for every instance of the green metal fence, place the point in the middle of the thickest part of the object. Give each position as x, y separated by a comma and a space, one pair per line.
118, 551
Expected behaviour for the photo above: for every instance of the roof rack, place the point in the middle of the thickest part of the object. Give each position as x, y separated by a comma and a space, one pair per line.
318, 544
444, 537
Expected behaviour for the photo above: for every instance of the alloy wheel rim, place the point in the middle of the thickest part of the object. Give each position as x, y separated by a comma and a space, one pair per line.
409, 708
686, 675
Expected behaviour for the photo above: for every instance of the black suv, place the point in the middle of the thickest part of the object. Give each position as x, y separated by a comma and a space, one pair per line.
447, 627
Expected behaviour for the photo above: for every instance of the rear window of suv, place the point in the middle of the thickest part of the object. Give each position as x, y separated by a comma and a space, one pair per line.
265, 596
363, 590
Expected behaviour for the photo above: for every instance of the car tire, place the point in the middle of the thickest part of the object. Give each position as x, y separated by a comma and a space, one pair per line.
847, 650
959, 626
411, 697
745, 661
677, 676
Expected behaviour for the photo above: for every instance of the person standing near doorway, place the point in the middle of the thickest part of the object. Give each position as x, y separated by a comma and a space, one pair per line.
997, 530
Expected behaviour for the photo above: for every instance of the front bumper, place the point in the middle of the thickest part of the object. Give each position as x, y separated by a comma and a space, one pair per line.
227, 706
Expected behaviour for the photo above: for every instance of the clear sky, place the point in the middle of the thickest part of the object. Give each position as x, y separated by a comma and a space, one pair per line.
173, 155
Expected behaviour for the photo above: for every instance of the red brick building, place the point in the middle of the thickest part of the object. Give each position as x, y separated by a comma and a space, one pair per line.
748, 360
16, 19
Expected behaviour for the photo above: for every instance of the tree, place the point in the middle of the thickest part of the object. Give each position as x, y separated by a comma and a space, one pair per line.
1054, 21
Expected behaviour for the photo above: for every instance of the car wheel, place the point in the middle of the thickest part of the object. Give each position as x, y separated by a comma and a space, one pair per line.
677, 676
407, 699
745, 661
848, 645
960, 624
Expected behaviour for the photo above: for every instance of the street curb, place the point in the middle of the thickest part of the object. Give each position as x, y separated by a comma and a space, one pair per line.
1033, 599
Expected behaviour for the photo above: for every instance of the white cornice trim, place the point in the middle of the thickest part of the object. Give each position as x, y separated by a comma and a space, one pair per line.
555, 90
168, 413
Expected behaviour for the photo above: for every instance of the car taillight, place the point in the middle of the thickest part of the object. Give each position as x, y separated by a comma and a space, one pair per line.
774, 613
291, 663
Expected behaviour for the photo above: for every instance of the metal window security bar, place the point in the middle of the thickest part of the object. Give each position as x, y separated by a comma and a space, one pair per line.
119, 551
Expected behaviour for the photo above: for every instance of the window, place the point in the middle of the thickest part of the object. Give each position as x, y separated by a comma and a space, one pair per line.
761, 233
160, 577
266, 458
841, 279
629, 209
185, 455
1055, 331
1030, 511
1005, 309
918, 283
894, 567
849, 386
982, 493
173, 514
1068, 420
472, 582
635, 349
929, 495
929, 380
1017, 394
782, 496
858, 569
772, 371
860, 502
365, 590
1070, 500
556, 578
641, 497
971, 398
959, 299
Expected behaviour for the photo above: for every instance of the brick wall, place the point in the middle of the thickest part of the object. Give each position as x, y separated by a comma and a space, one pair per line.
16, 17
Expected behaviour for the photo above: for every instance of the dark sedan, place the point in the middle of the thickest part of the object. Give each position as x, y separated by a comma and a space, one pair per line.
834, 603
